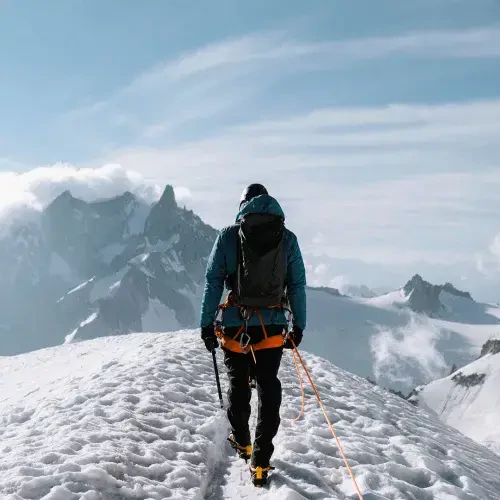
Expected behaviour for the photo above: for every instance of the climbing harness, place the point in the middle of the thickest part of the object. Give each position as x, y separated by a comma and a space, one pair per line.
240, 343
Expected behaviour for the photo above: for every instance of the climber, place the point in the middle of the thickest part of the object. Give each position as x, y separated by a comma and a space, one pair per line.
260, 263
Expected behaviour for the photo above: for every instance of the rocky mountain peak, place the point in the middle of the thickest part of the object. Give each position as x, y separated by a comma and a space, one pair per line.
167, 200
424, 297
163, 219
114, 265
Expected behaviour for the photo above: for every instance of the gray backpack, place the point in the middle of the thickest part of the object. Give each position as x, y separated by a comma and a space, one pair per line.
261, 271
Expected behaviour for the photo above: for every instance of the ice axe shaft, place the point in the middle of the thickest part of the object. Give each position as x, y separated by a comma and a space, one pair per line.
217, 379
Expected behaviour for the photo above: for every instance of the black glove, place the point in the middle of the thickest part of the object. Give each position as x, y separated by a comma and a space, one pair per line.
208, 336
296, 335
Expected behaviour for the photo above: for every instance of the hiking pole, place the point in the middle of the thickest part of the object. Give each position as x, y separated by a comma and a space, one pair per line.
217, 379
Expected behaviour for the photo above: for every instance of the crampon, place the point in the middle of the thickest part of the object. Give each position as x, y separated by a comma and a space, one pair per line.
259, 475
244, 452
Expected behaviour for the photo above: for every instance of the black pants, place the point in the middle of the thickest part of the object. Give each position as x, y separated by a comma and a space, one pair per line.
269, 393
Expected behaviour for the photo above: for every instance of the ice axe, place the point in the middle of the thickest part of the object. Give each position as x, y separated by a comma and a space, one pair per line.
217, 379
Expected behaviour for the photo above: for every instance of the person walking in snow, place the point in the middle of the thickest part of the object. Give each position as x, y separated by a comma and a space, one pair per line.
260, 263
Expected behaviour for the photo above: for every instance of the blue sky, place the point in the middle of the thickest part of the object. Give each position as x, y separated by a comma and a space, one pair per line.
376, 124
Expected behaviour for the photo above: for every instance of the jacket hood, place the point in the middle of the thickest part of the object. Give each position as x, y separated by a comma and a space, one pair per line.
263, 204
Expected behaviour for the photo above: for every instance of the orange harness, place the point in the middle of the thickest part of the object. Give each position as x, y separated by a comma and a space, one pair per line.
233, 344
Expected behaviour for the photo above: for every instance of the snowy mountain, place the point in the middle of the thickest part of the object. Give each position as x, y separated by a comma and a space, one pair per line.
469, 399
137, 417
384, 339
361, 291
444, 301
82, 270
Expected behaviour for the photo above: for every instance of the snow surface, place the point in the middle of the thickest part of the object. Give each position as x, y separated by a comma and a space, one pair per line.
81, 286
390, 300
137, 417
71, 337
472, 410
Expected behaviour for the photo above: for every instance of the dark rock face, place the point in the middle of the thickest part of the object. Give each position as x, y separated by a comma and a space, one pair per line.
469, 380
92, 269
449, 288
424, 297
331, 291
491, 347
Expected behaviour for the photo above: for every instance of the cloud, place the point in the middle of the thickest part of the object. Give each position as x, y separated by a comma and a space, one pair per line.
217, 79
407, 354
488, 262
38, 187
182, 193
382, 184
387, 184
276, 46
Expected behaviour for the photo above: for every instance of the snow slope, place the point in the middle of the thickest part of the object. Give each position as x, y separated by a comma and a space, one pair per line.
137, 417
469, 400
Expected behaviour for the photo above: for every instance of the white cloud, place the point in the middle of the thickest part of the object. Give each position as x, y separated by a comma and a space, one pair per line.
488, 262
207, 82
381, 184
277, 46
38, 187
182, 193
407, 354
421, 200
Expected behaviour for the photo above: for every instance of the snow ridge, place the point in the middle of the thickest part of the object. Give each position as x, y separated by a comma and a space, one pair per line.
137, 417
468, 399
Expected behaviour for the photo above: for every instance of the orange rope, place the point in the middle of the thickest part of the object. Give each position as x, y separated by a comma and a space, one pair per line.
297, 367
253, 354
328, 420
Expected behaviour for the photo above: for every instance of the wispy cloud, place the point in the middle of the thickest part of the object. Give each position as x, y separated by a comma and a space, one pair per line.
488, 262
424, 153
207, 82
278, 46
408, 354
387, 184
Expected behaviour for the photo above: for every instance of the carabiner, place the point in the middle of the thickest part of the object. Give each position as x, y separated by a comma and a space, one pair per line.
244, 343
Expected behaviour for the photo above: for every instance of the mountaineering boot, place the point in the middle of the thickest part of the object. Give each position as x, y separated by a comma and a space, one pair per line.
244, 452
259, 475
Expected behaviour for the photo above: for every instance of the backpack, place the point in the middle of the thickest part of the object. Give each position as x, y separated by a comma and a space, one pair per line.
261, 269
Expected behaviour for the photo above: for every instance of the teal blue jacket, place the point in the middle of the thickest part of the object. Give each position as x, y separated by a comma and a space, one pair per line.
222, 264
